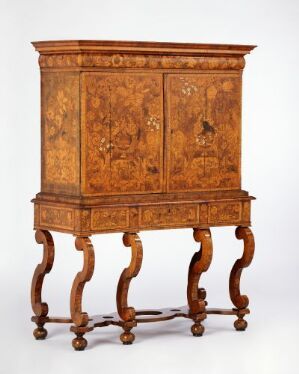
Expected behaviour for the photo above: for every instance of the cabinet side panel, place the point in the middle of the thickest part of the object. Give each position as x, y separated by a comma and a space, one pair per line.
60, 132
204, 132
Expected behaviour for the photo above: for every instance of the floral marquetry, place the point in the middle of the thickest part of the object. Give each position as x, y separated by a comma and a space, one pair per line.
204, 131
93, 60
60, 132
122, 123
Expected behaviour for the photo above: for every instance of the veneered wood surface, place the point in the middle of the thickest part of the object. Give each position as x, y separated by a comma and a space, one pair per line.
203, 119
122, 133
60, 132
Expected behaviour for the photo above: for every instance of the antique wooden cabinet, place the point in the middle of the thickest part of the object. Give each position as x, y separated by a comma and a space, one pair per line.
140, 136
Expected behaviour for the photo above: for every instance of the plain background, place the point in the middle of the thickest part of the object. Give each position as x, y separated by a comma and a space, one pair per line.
270, 172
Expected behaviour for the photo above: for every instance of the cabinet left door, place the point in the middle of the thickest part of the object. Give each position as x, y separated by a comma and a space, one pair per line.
121, 133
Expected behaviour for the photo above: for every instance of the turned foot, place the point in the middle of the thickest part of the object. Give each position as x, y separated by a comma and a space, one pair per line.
127, 337
79, 343
197, 329
240, 324
40, 333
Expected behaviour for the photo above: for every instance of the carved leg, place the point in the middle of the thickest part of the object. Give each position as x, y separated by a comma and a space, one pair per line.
81, 318
241, 301
40, 308
128, 313
200, 263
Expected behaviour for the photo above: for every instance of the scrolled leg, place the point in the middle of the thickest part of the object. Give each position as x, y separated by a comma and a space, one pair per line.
39, 307
241, 301
81, 318
127, 313
199, 264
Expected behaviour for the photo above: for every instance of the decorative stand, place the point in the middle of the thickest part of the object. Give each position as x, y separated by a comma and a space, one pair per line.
127, 317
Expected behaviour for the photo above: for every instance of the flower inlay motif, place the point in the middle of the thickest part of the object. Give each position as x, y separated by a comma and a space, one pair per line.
153, 123
187, 87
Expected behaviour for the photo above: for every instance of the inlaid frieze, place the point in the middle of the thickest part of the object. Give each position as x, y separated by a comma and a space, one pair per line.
142, 61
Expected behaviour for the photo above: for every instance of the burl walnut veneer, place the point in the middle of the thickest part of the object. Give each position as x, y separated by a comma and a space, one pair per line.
140, 136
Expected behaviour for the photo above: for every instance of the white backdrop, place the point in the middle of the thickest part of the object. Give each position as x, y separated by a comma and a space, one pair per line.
270, 172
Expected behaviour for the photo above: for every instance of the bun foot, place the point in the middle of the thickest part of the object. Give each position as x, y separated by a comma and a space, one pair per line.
40, 333
79, 343
197, 329
240, 324
127, 337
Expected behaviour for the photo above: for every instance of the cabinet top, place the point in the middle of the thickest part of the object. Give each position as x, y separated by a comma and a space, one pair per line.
136, 47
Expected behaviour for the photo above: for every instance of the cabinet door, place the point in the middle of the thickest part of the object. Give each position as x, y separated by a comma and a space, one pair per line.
203, 131
122, 133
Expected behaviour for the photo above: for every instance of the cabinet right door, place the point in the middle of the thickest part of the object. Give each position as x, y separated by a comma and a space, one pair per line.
203, 131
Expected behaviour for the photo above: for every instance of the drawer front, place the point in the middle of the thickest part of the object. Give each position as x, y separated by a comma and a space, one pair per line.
168, 215
122, 133
136, 218
110, 219
203, 131
219, 213
57, 217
